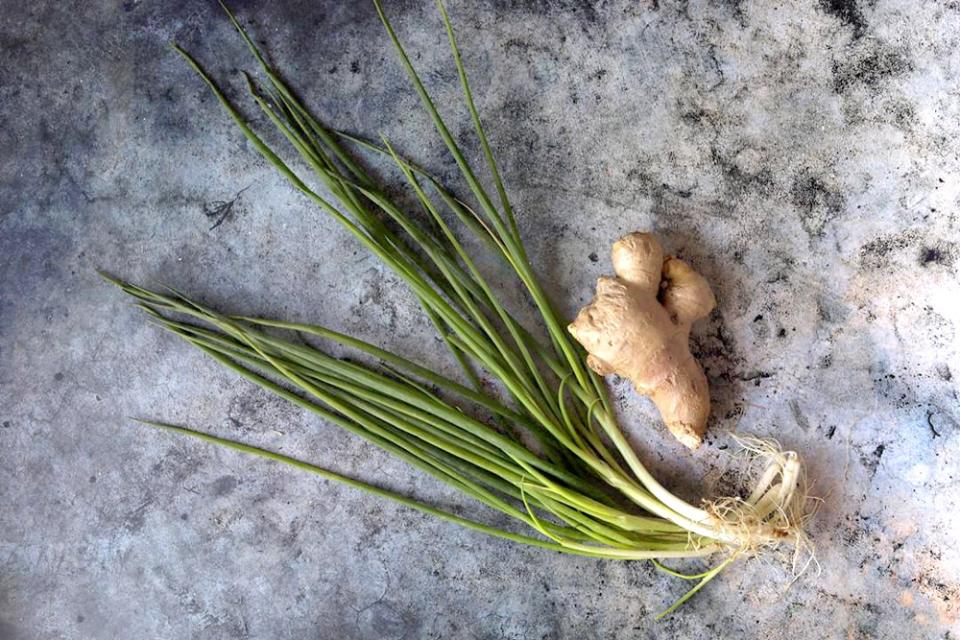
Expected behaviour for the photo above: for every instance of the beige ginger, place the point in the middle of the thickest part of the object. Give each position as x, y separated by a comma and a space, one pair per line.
638, 326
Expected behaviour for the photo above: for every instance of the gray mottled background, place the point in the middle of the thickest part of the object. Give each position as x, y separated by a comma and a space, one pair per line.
802, 154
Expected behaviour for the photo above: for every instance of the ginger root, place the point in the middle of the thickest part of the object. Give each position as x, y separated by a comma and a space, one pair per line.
638, 326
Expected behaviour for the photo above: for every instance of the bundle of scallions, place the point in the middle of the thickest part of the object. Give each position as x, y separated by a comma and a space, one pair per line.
544, 447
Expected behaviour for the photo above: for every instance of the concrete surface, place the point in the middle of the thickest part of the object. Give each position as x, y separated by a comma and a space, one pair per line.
803, 154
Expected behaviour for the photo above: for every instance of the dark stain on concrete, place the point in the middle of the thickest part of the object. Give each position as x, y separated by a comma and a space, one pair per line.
879, 252
740, 181
798, 416
942, 254
134, 520
224, 486
931, 254
849, 14
869, 69
831, 309
817, 201
585, 9
871, 460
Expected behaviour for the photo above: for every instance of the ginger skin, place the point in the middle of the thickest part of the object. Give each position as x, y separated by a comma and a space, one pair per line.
638, 326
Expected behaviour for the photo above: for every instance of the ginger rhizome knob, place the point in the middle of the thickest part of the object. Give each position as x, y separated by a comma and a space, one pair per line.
638, 327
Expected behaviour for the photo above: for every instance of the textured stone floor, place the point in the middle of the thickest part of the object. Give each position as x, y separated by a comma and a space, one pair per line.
802, 154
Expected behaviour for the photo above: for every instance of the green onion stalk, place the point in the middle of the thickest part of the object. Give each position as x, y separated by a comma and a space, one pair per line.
544, 447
